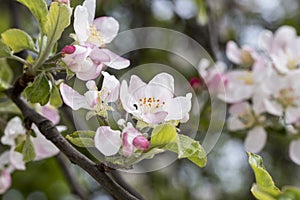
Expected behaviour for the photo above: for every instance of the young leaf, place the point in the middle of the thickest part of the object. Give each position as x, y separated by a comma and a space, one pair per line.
290, 192
39, 90
6, 74
264, 181
58, 19
55, 98
5, 51
83, 139
9, 107
190, 149
163, 135
28, 150
39, 10
260, 194
17, 40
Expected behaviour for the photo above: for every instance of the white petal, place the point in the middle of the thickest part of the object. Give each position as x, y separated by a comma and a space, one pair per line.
5, 181
16, 159
112, 85
90, 5
233, 52
234, 124
256, 139
72, 98
292, 115
43, 148
13, 129
178, 107
294, 151
81, 24
125, 97
93, 71
163, 80
107, 141
266, 40
108, 28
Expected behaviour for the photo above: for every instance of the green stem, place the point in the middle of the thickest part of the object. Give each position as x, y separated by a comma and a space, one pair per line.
21, 60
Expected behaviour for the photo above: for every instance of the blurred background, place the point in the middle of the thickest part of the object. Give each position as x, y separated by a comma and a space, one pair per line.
210, 23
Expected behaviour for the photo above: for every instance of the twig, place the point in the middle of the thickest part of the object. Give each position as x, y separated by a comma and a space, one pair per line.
50, 131
74, 186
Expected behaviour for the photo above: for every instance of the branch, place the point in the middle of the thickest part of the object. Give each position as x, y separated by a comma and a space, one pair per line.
74, 186
49, 130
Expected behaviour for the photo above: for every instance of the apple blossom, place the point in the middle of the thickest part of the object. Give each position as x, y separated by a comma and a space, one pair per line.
242, 117
154, 102
294, 151
94, 100
283, 48
109, 141
87, 63
245, 56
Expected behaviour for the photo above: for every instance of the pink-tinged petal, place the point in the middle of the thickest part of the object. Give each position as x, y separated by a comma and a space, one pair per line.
107, 141
50, 113
16, 160
92, 72
233, 52
239, 108
90, 5
292, 115
135, 84
256, 139
72, 98
81, 24
154, 118
43, 148
108, 28
115, 61
294, 151
111, 85
5, 181
13, 129
141, 142
128, 147
178, 107
99, 56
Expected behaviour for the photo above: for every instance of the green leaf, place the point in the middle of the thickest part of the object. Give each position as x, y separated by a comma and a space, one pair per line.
39, 10
6, 74
39, 90
5, 51
28, 150
83, 139
9, 107
260, 194
17, 40
163, 134
190, 149
55, 98
264, 181
290, 192
58, 19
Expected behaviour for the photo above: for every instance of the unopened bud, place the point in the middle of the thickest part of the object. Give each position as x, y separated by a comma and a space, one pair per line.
141, 142
68, 49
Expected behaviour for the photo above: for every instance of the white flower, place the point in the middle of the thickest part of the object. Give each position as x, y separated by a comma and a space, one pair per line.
109, 141
294, 151
245, 56
154, 102
93, 99
242, 117
283, 47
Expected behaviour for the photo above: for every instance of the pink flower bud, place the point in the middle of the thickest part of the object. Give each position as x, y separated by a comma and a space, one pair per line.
141, 142
68, 49
196, 83
67, 2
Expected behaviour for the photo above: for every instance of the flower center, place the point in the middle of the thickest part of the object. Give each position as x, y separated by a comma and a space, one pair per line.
287, 97
247, 118
150, 104
247, 78
95, 36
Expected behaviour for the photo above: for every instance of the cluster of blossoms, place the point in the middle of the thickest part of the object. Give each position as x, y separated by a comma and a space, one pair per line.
267, 87
151, 104
16, 136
